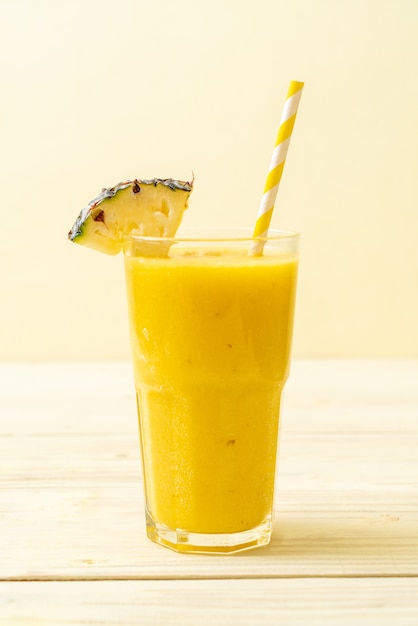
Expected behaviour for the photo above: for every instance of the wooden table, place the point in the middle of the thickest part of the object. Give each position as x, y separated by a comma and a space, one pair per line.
73, 548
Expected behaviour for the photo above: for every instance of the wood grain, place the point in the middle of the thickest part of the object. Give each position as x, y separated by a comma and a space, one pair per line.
72, 524
298, 602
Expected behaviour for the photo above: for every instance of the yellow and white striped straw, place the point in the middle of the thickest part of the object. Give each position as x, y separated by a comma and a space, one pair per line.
277, 162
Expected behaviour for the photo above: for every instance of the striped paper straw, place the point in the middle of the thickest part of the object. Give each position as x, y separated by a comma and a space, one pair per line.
277, 162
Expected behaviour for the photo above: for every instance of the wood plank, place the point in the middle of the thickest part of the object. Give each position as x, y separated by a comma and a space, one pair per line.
73, 507
98, 397
71, 494
348, 395
79, 397
298, 602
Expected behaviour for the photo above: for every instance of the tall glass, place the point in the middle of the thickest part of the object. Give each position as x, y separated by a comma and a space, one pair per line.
211, 328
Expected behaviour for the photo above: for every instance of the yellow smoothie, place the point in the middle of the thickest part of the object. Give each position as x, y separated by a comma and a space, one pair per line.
211, 334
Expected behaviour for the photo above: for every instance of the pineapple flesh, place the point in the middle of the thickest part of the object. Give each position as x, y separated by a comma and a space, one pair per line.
152, 208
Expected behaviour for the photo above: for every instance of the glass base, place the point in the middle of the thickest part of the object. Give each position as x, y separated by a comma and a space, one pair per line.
208, 543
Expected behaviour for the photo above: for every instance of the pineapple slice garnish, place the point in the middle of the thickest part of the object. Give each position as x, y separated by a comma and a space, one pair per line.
152, 208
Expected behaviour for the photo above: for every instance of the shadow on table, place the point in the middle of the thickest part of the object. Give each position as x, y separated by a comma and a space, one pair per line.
377, 537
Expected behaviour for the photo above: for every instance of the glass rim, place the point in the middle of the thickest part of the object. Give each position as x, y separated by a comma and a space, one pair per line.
218, 234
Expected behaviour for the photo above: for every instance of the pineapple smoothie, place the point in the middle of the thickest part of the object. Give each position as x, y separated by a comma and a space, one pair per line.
211, 324
211, 332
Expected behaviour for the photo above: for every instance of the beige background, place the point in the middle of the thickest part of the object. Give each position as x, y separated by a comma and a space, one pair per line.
93, 92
